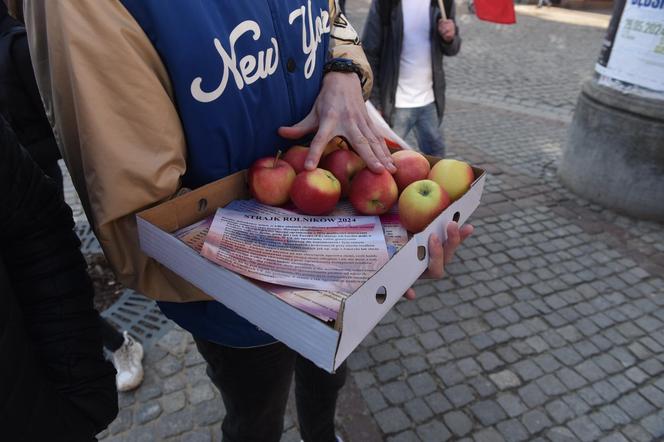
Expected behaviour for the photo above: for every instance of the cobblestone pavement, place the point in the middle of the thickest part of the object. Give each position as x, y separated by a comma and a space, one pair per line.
550, 324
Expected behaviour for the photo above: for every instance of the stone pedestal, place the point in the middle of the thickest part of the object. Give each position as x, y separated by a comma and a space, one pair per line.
615, 152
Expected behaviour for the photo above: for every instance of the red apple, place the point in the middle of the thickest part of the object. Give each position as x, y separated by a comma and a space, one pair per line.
343, 164
315, 192
420, 203
373, 193
333, 145
411, 166
270, 180
295, 156
454, 176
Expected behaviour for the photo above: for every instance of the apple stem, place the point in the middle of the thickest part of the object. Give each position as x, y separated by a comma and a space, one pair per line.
276, 158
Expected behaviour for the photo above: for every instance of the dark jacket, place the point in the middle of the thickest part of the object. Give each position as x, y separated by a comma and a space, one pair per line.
55, 384
382, 41
20, 102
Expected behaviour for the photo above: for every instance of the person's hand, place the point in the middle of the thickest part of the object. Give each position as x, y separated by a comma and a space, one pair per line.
339, 110
442, 254
447, 30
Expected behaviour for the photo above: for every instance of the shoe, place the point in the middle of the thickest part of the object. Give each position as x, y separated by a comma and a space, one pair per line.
339, 439
127, 361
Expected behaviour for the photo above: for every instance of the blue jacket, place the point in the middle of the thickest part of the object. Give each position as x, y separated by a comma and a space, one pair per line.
239, 70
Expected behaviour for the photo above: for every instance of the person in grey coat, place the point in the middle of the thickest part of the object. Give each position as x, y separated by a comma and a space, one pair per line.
405, 41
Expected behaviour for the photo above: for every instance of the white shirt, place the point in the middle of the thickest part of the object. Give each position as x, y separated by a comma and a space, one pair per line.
415, 86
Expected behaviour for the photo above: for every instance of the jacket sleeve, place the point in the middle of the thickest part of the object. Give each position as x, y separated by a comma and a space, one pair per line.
453, 47
109, 99
345, 43
372, 42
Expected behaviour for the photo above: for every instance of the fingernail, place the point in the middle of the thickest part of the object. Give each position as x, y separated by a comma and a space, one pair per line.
309, 164
378, 165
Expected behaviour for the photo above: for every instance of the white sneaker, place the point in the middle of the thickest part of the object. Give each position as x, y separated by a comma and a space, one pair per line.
127, 360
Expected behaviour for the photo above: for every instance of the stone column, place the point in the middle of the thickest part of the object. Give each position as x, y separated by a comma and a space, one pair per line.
615, 149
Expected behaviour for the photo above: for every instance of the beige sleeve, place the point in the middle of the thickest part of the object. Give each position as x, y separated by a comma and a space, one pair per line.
345, 43
109, 100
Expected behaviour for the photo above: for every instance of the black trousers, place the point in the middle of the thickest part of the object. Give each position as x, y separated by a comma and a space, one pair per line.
110, 336
254, 384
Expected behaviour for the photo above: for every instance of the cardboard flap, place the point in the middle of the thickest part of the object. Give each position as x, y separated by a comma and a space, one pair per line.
193, 206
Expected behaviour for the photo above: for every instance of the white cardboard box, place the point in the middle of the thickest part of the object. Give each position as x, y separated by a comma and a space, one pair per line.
327, 346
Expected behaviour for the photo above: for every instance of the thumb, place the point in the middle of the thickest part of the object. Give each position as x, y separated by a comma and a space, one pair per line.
298, 130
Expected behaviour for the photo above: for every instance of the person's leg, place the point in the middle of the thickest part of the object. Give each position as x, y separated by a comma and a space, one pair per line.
429, 133
316, 394
403, 121
111, 338
254, 384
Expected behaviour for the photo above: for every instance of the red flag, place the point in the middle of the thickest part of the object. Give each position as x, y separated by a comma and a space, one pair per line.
496, 11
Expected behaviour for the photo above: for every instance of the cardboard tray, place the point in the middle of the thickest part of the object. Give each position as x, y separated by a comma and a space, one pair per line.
325, 345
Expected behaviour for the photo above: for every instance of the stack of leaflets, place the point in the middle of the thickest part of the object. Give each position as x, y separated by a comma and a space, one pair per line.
311, 262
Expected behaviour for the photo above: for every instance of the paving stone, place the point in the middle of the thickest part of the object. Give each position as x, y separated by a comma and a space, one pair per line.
422, 384
175, 423
654, 424
415, 364
636, 375
652, 366
397, 392
535, 421
589, 370
560, 434
654, 395
430, 340
603, 422
209, 412
439, 356
488, 412
505, 379
615, 414
388, 371
359, 360
148, 391
513, 431
567, 356
512, 404
590, 396
197, 436
122, 422
482, 386
450, 374
507, 354
636, 433
621, 383
489, 361
571, 379
384, 352
532, 395
418, 410
405, 436
173, 383
458, 423
482, 341
168, 366
606, 391
551, 386
559, 411
608, 363
392, 420
364, 379
408, 346
614, 437
488, 435
469, 367
433, 431
460, 395
452, 333
528, 370
374, 399
144, 433
438, 403
635, 405
147, 412
200, 393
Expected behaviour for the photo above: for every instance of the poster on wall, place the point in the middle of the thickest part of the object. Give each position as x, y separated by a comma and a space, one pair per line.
637, 52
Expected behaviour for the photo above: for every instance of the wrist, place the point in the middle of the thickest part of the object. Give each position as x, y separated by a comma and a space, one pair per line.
342, 66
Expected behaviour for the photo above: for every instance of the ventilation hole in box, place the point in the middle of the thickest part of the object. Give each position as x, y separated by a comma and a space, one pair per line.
202, 204
421, 253
456, 217
381, 295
